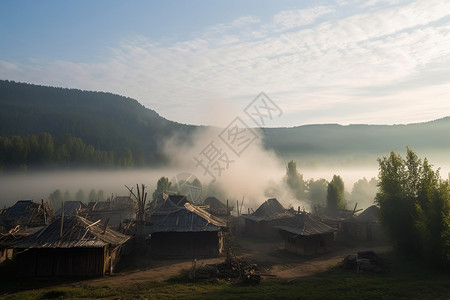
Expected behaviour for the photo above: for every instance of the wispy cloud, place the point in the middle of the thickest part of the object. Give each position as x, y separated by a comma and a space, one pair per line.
321, 64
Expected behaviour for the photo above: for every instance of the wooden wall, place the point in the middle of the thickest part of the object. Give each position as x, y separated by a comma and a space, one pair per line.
187, 244
50, 262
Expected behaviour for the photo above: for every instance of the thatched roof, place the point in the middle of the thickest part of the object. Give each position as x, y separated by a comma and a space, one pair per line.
167, 204
16, 234
27, 212
303, 224
188, 218
72, 208
216, 207
77, 232
370, 214
268, 211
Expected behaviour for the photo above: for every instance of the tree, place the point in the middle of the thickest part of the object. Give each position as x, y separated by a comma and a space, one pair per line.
162, 186
317, 191
339, 183
335, 194
100, 196
364, 192
80, 195
415, 207
397, 207
56, 199
295, 181
92, 197
126, 159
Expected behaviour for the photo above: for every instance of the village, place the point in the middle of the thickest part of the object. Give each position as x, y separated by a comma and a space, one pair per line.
214, 237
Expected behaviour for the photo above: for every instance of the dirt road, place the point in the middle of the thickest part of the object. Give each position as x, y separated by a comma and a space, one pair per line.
284, 265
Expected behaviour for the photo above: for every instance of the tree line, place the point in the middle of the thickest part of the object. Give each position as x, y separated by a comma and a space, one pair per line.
329, 194
66, 152
57, 197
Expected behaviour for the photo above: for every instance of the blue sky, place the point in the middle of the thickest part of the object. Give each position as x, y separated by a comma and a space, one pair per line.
202, 62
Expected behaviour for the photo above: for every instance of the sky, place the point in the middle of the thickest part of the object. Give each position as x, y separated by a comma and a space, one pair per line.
204, 62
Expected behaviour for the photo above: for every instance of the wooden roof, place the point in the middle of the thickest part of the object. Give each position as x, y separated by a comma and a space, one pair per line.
77, 232
189, 218
268, 211
302, 224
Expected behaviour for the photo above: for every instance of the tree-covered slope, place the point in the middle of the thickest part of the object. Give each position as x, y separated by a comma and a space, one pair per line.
333, 139
111, 122
104, 120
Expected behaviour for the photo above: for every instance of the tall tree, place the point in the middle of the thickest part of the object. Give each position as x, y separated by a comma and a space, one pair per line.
162, 186
335, 194
317, 191
415, 207
295, 181
364, 192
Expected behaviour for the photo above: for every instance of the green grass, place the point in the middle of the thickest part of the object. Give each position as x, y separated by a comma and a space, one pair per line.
406, 279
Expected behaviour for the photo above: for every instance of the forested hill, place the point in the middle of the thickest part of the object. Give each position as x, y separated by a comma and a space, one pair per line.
106, 121
102, 129
369, 141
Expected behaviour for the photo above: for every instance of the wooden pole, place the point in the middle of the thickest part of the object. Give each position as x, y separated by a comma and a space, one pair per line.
44, 211
354, 209
62, 221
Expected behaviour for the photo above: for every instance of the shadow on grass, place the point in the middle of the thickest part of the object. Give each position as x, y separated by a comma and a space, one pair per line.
407, 279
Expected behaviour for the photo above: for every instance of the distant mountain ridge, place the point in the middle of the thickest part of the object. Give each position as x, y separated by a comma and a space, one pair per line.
104, 120
110, 122
341, 139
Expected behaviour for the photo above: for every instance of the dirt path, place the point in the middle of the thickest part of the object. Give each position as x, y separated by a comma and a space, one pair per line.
284, 265
162, 270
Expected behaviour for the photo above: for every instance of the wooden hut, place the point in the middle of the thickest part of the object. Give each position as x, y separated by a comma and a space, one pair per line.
187, 231
262, 222
306, 236
112, 213
69, 246
26, 213
165, 205
364, 227
13, 236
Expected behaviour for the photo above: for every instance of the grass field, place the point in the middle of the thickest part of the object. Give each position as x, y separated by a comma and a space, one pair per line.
405, 279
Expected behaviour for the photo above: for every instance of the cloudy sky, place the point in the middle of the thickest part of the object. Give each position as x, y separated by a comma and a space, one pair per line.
203, 62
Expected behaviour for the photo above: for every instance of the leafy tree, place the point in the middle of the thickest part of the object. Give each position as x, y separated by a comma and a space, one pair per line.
67, 196
56, 199
162, 186
92, 197
80, 195
334, 196
339, 183
295, 181
414, 207
126, 158
364, 192
100, 196
335, 193
317, 191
